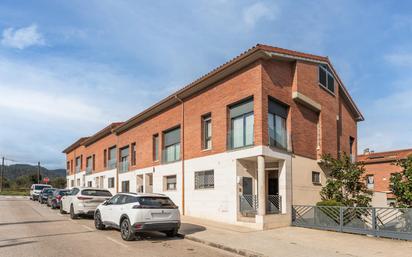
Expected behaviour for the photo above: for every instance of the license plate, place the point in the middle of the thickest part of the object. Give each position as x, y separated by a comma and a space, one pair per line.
160, 215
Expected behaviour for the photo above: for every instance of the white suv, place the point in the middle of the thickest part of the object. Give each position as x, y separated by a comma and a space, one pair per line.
132, 213
35, 190
83, 200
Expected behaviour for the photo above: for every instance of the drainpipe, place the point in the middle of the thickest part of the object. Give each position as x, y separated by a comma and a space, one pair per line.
117, 162
74, 170
182, 151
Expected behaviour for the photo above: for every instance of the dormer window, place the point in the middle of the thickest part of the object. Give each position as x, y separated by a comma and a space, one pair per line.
326, 79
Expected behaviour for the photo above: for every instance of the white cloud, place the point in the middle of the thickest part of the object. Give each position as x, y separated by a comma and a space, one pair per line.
22, 38
258, 11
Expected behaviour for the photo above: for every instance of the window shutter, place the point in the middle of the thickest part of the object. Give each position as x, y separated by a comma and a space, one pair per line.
172, 137
278, 109
241, 108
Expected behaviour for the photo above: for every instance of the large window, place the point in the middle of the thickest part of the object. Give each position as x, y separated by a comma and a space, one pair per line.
326, 78
89, 164
351, 148
124, 159
204, 179
170, 183
277, 124
207, 131
241, 124
155, 147
370, 182
112, 157
172, 145
78, 164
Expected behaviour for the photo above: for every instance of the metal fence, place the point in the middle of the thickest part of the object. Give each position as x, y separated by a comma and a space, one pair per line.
380, 222
248, 204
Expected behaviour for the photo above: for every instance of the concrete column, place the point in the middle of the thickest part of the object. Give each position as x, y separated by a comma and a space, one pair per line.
261, 186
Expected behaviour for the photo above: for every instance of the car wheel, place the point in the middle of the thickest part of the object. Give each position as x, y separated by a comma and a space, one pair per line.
73, 216
53, 205
171, 233
126, 230
98, 221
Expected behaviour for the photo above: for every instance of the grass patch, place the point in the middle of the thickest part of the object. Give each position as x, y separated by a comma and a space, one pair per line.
11, 192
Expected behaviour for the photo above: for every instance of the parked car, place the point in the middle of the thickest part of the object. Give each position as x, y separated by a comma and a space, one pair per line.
83, 200
54, 199
36, 189
44, 194
133, 213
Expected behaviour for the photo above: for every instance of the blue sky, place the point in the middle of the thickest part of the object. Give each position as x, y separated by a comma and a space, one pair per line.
68, 68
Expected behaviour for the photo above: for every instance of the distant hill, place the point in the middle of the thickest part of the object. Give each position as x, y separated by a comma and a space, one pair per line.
16, 170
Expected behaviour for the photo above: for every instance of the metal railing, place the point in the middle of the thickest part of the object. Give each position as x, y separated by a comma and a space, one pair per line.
283, 142
380, 222
248, 204
111, 164
274, 204
123, 166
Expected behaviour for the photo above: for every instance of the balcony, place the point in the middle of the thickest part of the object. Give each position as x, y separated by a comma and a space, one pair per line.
77, 169
123, 166
171, 154
234, 140
111, 164
88, 170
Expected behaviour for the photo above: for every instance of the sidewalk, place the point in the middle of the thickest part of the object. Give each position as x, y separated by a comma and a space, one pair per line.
290, 241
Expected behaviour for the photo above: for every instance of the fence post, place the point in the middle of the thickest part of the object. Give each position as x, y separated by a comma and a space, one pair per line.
341, 219
374, 232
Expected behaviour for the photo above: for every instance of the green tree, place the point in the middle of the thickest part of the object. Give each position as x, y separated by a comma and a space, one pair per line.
401, 183
58, 182
345, 185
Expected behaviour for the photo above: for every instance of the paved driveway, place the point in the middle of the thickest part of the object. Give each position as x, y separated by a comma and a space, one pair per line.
29, 229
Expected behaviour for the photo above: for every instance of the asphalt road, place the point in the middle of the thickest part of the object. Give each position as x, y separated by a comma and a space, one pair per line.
29, 229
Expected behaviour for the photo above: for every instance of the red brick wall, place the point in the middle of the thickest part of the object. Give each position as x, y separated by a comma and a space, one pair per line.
349, 129
71, 157
382, 173
97, 149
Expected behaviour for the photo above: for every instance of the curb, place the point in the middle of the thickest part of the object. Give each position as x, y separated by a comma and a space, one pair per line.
241, 252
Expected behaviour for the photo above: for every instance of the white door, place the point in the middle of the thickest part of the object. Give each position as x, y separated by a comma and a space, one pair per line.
108, 209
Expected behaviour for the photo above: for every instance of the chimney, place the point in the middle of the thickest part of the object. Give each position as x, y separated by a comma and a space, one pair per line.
366, 151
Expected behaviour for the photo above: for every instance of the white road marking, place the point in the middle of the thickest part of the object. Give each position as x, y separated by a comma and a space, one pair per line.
117, 242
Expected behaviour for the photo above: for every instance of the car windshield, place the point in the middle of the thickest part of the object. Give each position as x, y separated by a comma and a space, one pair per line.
48, 191
40, 187
93, 192
156, 202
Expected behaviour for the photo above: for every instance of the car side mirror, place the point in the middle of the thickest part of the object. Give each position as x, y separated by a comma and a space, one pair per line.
106, 202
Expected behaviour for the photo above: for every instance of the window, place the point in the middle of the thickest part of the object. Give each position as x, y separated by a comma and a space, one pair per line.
351, 147
78, 182
105, 158
89, 184
370, 183
241, 124
68, 167
72, 183
92, 192
315, 177
124, 159
277, 116
326, 78
71, 165
78, 164
133, 149
94, 162
125, 186
170, 182
155, 202
172, 145
89, 164
111, 182
156, 147
112, 157
204, 179
207, 132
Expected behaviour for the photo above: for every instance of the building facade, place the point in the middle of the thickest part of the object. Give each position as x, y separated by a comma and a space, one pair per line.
238, 145
379, 166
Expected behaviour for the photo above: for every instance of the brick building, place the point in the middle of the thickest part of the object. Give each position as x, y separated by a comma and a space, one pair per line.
378, 169
238, 145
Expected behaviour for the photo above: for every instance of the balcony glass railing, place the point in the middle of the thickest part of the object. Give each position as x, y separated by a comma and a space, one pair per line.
171, 153
77, 169
238, 139
279, 140
112, 164
123, 166
88, 170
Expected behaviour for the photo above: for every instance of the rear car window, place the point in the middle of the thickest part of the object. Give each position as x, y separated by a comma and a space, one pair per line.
40, 187
92, 192
48, 191
155, 202
63, 192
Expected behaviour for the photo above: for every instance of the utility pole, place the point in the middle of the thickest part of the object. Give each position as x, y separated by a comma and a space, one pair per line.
2, 174
38, 173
